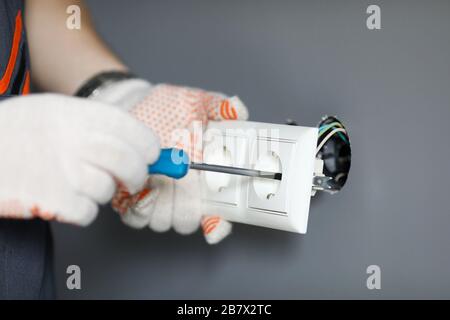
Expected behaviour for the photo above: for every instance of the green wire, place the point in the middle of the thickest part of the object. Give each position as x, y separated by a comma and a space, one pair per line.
324, 128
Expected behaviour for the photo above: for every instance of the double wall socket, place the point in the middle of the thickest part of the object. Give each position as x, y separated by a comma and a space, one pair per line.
279, 204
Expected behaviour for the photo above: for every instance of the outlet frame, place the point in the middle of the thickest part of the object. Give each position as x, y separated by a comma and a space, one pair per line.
289, 209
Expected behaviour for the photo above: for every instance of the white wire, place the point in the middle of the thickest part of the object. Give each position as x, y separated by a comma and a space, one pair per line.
339, 176
328, 138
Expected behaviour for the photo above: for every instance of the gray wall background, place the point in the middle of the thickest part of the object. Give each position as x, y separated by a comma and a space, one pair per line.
297, 59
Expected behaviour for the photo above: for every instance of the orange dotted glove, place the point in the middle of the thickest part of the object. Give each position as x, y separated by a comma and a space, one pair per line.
164, 202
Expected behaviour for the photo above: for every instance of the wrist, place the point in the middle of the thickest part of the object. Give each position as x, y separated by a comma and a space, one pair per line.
118, 88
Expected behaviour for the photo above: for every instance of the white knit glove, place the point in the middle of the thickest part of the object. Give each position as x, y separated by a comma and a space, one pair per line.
60, 156
165, 202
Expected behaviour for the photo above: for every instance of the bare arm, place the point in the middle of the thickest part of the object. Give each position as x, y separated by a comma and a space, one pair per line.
63, 59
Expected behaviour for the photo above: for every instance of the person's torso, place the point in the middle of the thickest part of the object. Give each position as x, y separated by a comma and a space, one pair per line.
25, 245
14, 59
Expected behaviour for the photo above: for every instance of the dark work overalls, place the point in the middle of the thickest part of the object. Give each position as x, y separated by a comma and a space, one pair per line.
25, 246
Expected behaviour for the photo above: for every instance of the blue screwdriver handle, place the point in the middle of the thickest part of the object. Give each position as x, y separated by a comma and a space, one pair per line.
172, 162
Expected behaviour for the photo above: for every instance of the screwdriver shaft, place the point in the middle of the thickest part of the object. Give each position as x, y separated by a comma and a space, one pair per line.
235, 171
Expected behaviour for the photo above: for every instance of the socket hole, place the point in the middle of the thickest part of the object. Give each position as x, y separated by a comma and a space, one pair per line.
220, 155
267, 188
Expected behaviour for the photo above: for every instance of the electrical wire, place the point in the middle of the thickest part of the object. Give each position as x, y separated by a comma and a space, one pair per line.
329, 135
332, 136
323, 129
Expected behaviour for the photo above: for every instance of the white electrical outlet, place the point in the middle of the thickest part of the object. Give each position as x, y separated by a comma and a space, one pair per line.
275, 204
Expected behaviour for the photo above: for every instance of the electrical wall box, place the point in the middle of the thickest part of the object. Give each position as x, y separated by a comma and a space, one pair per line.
279, 204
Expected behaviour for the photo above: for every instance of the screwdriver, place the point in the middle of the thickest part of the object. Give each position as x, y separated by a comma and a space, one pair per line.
174, 163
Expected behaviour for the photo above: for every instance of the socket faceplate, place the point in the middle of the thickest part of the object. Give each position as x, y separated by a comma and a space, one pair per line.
251, 145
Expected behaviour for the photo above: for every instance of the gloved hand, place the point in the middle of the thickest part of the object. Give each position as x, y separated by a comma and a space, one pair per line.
164, 202
60, 156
